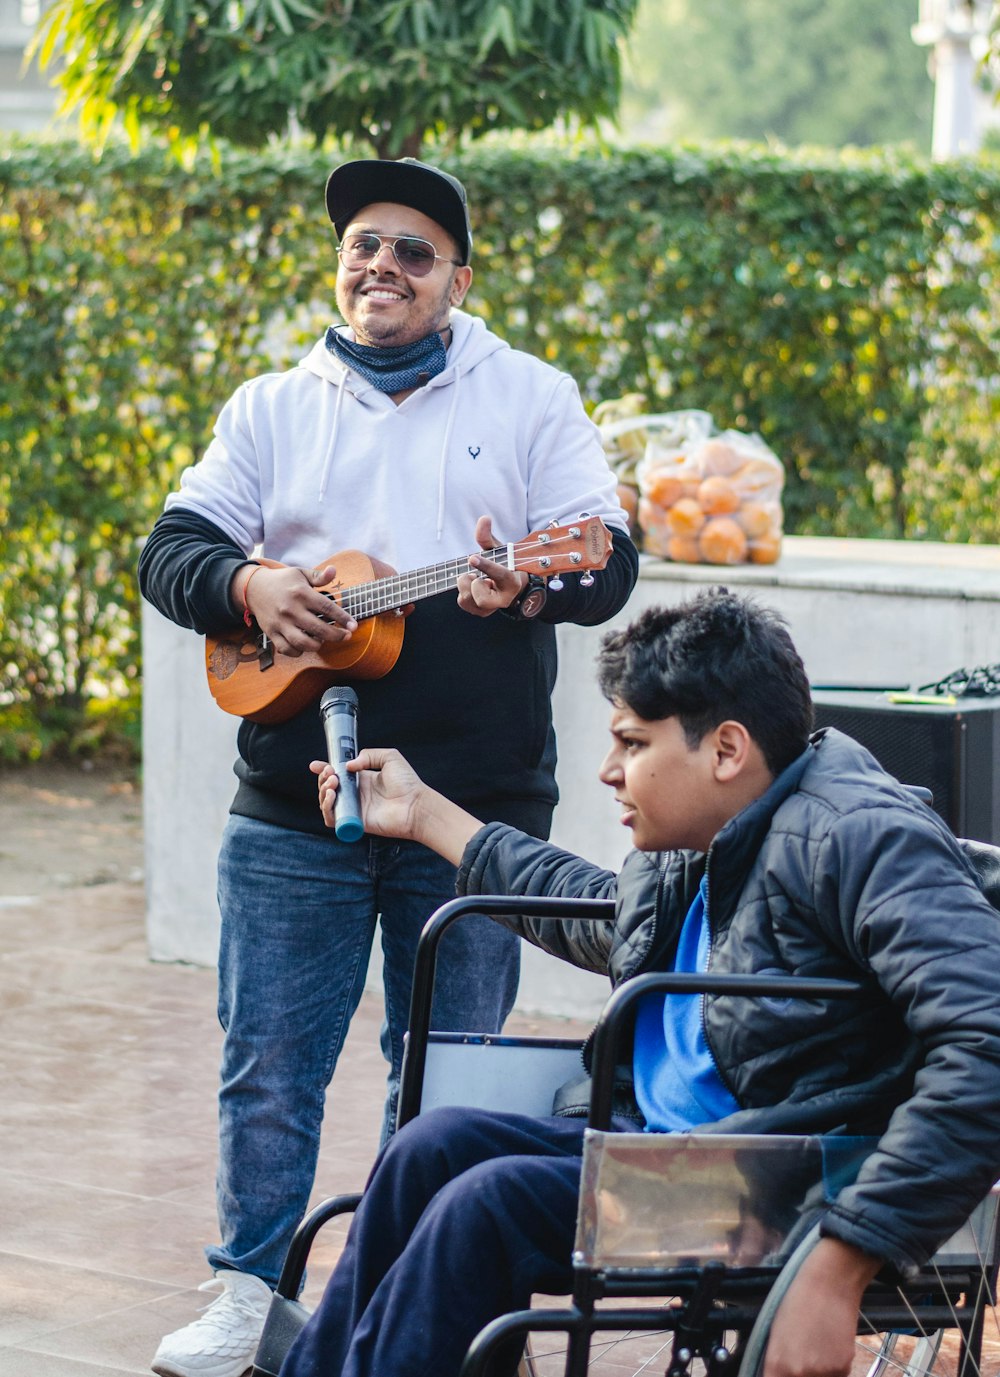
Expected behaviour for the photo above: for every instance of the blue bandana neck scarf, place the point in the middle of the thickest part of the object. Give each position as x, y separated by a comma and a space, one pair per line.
394, 369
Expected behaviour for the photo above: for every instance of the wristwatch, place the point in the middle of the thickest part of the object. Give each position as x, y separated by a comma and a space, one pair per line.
529, 601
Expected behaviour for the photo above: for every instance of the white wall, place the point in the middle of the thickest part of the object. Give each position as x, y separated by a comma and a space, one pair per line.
188, 750
861, 612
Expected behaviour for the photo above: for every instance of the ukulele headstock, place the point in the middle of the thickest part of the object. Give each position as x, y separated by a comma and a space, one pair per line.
577, 546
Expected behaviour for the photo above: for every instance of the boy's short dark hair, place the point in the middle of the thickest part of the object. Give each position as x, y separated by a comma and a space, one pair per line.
719, 657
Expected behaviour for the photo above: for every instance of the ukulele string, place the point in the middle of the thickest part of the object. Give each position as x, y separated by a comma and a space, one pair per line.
363, 600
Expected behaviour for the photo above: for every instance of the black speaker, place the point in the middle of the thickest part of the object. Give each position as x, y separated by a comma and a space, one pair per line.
952, 750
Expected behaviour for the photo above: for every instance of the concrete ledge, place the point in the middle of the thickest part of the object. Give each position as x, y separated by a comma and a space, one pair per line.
908, 569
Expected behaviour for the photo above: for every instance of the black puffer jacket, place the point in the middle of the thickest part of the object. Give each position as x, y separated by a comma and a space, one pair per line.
836, 871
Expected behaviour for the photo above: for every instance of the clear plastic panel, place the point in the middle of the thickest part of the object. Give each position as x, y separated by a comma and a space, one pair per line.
662, 1200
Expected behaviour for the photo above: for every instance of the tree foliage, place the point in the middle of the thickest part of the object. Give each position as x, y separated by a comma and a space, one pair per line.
846, 307
391, 73
831, 72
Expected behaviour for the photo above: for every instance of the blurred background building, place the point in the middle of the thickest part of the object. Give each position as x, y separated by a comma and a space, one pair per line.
956, 34
27, 99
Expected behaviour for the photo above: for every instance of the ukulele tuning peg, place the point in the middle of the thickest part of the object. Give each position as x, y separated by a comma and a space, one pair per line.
555, 583
587, 580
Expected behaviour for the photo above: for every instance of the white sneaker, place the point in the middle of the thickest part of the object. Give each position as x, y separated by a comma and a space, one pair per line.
222, 1343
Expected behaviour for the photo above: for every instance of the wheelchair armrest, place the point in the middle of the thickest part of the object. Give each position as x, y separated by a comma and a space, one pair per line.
294, 1267
619, 1011
286, 1315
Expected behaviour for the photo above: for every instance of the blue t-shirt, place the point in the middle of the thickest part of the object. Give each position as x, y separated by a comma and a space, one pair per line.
677, 1084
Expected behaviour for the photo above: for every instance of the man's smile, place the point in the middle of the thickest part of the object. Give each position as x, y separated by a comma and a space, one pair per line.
382, 294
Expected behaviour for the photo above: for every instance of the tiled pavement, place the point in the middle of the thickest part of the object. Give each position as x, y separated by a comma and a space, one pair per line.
108, 1069
107, 1137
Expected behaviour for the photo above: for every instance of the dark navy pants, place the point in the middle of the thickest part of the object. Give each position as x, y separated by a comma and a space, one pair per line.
466, 1213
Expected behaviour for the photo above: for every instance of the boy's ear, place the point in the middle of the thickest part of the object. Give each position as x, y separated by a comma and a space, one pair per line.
732, 750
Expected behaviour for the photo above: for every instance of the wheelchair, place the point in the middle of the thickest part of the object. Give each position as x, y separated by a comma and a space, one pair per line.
701, 1235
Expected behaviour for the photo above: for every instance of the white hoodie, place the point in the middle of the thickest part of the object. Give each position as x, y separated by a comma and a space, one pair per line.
309, 462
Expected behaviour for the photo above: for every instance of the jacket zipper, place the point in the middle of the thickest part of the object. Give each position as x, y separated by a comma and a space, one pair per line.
708, 963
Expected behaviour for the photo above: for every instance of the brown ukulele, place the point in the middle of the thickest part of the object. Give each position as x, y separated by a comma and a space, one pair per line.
249, 678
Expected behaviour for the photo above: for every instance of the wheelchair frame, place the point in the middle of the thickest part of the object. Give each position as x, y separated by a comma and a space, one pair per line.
714, 1300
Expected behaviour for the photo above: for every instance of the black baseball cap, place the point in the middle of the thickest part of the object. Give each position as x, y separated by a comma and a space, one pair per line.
407, 182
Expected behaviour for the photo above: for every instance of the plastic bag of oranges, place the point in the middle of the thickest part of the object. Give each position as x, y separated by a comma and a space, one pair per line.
712, 500
625, 428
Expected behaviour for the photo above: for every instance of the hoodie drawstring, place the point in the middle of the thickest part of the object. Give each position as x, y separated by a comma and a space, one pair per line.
444, 449
443, 462
328, 461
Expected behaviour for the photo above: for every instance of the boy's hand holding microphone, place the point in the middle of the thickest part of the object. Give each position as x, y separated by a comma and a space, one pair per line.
378, 792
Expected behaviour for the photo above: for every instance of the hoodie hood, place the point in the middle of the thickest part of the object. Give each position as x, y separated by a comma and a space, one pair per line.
471, 343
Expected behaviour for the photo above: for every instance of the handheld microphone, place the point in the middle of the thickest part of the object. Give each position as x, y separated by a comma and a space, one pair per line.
339, 710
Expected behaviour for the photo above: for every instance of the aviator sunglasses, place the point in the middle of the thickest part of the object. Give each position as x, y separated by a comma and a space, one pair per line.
415, 256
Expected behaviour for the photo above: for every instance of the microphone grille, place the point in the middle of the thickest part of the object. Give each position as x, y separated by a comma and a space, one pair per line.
333, 696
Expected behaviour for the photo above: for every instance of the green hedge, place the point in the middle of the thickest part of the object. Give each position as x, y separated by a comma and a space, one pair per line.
847, 307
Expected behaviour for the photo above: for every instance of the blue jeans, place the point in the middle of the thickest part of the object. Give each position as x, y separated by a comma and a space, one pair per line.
298, 921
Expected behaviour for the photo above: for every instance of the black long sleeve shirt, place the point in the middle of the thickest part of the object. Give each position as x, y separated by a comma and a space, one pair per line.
468, 702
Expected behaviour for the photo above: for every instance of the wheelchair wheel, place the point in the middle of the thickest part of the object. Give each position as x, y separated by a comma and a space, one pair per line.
643, 1353
904, 1355
918, 1351
936, 1343
638, 1351
649, 1354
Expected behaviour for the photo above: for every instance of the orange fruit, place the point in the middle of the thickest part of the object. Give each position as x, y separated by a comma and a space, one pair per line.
656, 541
650, 515
685, 517
629, 499
664, 489
765, 550
717, 496
755, 518
716, 456
722, 541
760, 477
683, 549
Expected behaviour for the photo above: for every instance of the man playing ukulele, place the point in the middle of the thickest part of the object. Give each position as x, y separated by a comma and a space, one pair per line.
395, 436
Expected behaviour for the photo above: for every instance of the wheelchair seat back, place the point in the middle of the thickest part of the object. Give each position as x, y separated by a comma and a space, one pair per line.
490, 1071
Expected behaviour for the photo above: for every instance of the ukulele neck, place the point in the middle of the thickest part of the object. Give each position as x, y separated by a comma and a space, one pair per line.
363, 600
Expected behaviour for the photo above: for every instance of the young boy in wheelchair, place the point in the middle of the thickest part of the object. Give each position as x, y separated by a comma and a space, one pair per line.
758, 849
